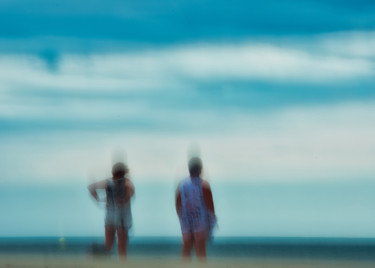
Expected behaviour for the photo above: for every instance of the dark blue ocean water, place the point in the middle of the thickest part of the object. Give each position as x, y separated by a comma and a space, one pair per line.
237, 247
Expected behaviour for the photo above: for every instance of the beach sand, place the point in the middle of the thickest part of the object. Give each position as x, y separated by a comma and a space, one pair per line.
63, 262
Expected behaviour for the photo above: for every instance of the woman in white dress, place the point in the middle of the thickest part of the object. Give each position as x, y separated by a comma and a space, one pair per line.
119, 190
195, 209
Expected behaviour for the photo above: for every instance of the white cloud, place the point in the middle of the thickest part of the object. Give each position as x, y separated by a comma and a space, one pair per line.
333, 58
317, 142
29, 72
267, 62
211, 62
353, 44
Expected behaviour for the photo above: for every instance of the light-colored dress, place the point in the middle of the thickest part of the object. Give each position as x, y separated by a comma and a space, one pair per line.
118, 212
193, 216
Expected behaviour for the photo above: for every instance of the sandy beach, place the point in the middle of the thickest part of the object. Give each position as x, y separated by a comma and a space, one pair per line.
62, 262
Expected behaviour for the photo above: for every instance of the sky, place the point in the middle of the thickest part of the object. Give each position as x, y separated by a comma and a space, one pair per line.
277, 97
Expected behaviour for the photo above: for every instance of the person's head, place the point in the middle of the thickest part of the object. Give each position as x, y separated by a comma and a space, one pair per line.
119, 170
195, 166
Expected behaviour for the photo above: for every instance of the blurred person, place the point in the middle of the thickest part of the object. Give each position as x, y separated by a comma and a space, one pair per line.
196, 212
119, 190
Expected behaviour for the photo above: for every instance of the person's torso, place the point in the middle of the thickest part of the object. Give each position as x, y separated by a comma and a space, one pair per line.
192, 202
116, 193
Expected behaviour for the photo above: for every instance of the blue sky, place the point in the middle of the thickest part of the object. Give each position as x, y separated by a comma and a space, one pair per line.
278, 96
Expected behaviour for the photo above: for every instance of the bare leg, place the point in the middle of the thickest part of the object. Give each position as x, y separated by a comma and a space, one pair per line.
109, 237
187, 246
122, 237
200, 245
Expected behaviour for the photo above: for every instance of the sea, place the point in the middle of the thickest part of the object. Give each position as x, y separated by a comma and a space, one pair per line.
219, 247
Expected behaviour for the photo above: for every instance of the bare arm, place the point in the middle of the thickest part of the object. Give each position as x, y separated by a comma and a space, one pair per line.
178, 201
129, 188
97, 185
207, 195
